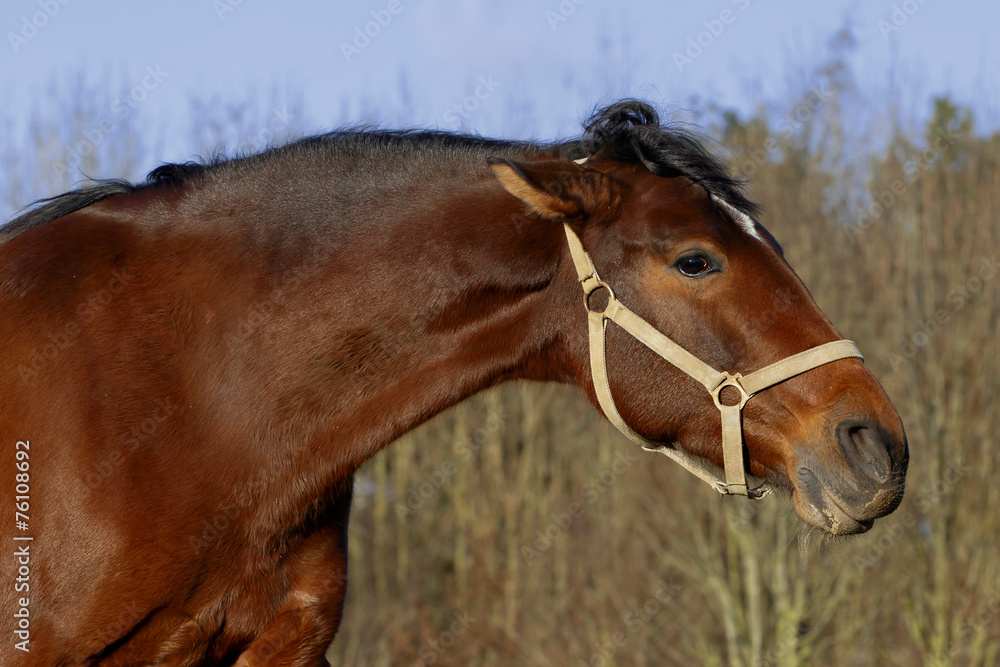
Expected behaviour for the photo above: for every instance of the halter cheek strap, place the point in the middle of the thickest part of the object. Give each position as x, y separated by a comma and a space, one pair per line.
714, 381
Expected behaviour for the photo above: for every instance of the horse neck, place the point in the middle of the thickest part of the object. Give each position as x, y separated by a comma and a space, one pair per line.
423, 302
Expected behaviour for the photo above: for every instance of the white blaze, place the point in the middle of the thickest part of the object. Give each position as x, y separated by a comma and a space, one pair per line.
741, 218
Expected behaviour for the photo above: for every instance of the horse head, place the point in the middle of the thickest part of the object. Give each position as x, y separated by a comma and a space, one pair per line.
702, 341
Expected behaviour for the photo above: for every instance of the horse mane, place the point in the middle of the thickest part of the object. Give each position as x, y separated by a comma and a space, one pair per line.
60, 205
628, 131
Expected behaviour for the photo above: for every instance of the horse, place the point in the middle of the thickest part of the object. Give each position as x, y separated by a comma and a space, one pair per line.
195, 366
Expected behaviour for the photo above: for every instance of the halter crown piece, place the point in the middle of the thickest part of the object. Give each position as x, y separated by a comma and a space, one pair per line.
714, 381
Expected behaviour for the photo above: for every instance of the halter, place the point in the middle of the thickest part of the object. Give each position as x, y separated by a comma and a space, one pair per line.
714, 381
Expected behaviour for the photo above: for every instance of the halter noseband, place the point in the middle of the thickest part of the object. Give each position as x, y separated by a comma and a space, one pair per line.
714, 381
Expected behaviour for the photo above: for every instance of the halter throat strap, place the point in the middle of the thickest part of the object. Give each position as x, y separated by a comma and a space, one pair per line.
714, 381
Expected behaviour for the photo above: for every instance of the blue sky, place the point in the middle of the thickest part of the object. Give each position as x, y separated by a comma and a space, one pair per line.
517, 68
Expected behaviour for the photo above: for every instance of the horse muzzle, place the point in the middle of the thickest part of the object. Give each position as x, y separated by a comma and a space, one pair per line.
863, 481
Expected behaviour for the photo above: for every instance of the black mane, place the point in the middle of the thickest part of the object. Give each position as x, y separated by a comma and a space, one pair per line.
628, 131
60, 205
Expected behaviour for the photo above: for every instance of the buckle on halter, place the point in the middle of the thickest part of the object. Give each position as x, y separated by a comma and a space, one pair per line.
730, 380
591, 284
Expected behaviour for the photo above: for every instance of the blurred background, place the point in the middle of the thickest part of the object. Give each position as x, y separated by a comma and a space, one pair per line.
519, 528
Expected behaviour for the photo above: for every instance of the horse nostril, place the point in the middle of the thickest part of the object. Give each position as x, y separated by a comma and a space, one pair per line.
866, 447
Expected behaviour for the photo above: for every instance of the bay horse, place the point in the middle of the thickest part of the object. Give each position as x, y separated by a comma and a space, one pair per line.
195, 367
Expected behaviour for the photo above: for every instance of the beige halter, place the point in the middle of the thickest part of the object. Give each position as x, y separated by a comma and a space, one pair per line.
714, 381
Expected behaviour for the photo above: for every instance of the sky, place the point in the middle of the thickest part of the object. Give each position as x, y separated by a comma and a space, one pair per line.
514, 69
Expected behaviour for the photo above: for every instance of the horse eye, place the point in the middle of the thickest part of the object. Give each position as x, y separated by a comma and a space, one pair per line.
693, 266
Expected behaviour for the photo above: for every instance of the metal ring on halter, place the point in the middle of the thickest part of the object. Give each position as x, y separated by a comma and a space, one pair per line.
731, 380
591, 284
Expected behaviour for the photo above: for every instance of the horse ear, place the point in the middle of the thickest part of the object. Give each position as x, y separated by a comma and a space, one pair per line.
556, 189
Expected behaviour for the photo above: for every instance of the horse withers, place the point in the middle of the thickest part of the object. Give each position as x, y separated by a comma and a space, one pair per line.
195, 366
